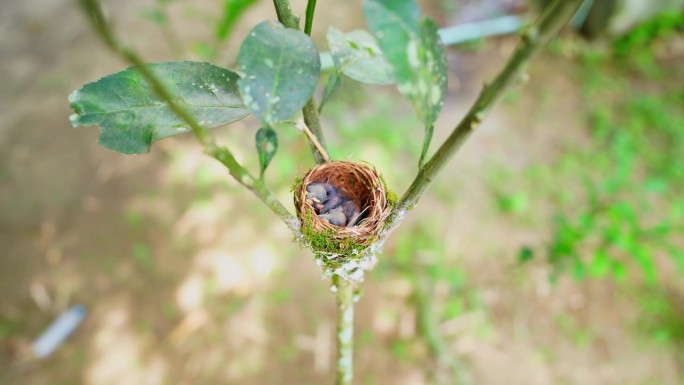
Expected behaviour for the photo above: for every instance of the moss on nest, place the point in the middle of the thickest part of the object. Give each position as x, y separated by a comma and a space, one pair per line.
390, 195
325, 241
335, 245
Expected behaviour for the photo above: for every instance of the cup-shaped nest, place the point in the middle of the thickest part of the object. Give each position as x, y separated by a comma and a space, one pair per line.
357, 182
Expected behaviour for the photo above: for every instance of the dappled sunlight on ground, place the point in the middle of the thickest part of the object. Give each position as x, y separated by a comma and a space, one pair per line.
117, 355
217, 273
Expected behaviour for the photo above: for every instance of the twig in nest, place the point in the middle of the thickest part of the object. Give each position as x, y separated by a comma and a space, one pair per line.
301, 126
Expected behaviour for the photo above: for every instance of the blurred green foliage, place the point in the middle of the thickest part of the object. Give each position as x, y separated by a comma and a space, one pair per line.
663, 317
632, 208
636, 47
419, 257
142, 255
230, 13
402, 350
616, 199
663, 26
379, 122
568, 325
158, 14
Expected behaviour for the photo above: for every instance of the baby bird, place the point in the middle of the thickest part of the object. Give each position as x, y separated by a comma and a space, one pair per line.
335, 199
332, 206
351, 211
317, 192
317, 195
335, 217
333, 202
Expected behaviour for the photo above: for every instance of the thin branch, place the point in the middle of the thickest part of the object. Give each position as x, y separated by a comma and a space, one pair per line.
313, 121
310, 110
345, 331
308, 23
312, 138
285, 14
203, 135
313, 131
258, 188
533, 38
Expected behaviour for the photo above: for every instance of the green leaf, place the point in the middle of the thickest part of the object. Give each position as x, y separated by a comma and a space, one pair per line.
281, 69
333, 84
132, 116
678, 256
428, 61
204, 50
394, 36
525, 254
656, 185
600, 264
619, 270
417, 56
356, 55
232, 10
267, 145
579, 271
155, 15
644, 258
406, 10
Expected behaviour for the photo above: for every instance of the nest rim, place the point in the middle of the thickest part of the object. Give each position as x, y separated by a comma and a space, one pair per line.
358, 181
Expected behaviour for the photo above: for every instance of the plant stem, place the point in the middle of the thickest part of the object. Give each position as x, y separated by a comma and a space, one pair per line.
258, 188
310, 110
285, 14
345, 331
203, 135
534, 37
313, 121
345, 290
308, 23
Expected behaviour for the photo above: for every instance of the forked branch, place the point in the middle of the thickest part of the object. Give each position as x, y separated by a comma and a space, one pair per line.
310, 111
556, 16
203, 135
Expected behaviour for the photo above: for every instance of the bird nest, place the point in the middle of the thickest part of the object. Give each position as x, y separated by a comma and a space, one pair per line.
356, 185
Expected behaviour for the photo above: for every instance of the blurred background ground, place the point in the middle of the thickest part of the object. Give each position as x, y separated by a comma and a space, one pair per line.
550, 250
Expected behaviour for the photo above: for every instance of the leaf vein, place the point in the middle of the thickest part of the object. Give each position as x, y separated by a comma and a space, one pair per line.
276, 78
155, 107
116, 92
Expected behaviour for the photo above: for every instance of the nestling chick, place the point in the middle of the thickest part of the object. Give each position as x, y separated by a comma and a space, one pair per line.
317, 195
317, 206
335, 217
334, 200
317, 192
351, 211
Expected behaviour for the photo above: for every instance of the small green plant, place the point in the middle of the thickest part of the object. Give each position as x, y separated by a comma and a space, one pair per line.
425, 274
663, 318
278, 71
625, 212
641, 173
642, 37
